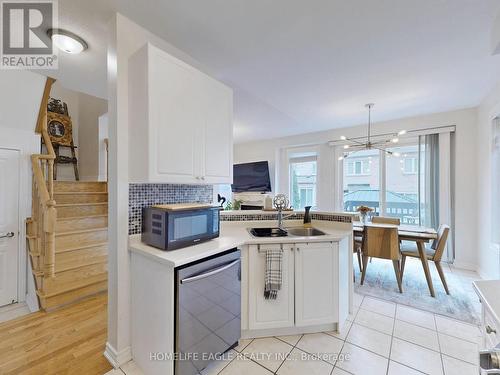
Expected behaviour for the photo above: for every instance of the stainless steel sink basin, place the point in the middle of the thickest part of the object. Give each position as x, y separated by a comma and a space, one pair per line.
277, 232
305, 232
268, 232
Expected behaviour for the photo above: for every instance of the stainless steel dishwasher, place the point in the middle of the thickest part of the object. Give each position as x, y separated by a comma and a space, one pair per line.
208, 310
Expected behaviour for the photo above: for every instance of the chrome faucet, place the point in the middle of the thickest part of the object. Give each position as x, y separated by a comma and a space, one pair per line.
281, 218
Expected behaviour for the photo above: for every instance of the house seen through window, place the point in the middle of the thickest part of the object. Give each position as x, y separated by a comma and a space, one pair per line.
399, 195
303, 173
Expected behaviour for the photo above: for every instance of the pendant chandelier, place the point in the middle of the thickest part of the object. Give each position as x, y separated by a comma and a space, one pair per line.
353, 145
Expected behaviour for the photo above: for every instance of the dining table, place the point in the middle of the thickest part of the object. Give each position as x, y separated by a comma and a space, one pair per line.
418, 234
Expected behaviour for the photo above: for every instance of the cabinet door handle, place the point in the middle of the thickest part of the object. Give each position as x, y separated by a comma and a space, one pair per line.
298, 249
7, 235
490, 330
203, 178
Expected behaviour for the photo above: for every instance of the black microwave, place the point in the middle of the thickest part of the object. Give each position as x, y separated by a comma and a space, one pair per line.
170, 227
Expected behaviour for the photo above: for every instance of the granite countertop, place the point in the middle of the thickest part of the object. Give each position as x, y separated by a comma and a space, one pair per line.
235, 234
489, 293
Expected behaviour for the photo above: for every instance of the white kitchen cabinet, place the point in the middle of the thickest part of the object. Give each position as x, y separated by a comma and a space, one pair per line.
316, 268
264, 313
314, 294
181, 122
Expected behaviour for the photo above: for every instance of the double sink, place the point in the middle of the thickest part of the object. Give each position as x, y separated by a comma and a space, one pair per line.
289, 232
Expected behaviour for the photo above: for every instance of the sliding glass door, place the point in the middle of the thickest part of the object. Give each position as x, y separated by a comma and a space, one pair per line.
362, 180
402, 185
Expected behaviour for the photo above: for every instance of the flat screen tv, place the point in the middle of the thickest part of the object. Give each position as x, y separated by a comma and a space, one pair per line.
251, 177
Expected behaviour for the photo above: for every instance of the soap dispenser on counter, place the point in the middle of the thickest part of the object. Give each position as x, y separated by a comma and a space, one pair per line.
307, 217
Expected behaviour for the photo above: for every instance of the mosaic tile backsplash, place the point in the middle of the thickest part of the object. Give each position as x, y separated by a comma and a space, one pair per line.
242, 216
145, 195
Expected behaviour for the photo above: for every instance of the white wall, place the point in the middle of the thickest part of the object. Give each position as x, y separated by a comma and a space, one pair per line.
90, 109
489, 254
125, 38
465, 177
103, 154
84, 111
19, 107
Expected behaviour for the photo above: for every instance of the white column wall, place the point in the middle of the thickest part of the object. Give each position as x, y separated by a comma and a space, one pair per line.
488, 252
125, 38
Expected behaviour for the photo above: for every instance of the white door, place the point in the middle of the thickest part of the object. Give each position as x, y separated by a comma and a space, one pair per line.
9, 225
316, 283
267, 313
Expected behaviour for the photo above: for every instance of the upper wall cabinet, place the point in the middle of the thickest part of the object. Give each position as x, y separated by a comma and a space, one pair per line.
181, 122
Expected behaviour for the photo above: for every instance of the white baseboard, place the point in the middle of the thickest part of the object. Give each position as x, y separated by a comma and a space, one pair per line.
464, 265
117, 359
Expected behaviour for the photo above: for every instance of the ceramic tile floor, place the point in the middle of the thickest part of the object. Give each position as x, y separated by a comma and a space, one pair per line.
379, 338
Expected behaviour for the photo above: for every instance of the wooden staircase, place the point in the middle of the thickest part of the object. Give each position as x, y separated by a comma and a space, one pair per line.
81, 231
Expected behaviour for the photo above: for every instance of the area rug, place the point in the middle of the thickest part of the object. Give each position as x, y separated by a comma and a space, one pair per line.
461, 304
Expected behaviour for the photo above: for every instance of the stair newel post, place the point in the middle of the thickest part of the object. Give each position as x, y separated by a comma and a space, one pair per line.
50, 238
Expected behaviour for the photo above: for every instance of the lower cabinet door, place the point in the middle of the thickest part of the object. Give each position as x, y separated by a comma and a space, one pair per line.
316, 283
268, 313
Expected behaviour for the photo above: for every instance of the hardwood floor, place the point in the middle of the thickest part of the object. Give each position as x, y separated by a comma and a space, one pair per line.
70, 340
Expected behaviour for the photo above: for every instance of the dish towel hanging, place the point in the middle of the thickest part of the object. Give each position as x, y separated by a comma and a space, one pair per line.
274, 260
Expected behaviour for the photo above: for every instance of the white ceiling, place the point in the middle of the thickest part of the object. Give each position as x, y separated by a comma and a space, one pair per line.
299, 66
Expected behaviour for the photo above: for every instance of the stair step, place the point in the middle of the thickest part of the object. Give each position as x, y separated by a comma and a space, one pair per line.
71, 186
75, 259
51, 302
80, 197
73, 279
73, 239
81, 209
66, 224
80, 247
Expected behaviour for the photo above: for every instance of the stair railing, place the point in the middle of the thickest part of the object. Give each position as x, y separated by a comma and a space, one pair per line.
44, 212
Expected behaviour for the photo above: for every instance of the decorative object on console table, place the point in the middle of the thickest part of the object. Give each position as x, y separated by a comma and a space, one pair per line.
221, 200
363, 213
60, 129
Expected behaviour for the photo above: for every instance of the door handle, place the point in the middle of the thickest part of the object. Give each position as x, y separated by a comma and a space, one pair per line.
209, 273
7, 235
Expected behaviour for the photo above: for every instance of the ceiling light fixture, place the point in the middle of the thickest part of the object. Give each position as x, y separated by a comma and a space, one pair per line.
367, 144
67, 41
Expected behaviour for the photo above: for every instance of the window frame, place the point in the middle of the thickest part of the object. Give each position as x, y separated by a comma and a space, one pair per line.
314, 188
382, 160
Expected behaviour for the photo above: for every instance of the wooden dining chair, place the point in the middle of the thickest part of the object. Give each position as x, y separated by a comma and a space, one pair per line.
433, 252
381, 242
356, 248
386, 220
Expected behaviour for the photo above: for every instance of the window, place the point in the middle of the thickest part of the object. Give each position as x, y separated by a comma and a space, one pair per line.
361, 180
401, 196
404, 193
303, 182
410, 165
360, 167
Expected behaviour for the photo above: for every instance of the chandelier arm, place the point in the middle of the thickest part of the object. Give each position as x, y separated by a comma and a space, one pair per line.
384, 150
385, 142
357, 142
